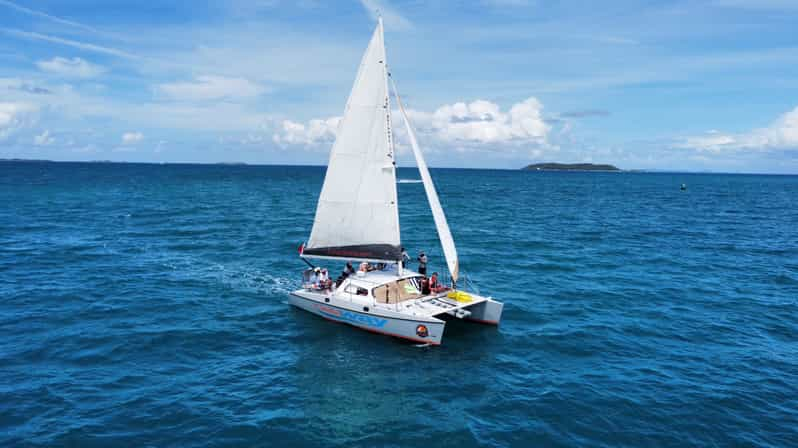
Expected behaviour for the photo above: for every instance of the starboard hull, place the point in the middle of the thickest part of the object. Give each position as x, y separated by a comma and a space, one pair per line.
423, 331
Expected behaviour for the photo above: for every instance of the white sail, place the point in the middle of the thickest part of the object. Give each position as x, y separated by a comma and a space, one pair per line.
357, 214
445, 235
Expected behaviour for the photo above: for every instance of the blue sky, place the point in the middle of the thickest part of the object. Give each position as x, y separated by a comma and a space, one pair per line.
681, 85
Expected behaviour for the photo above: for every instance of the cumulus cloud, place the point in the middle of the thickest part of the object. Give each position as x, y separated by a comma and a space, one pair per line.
73, 68
781, 134
483, 122
14, 116
313, 132
132, 137
211, 88
479, 124
43, 139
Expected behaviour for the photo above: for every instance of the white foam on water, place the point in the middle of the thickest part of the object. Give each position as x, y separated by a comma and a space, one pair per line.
409, 181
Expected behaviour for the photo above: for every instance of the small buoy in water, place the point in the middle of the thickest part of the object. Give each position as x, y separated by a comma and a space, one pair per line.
683, 187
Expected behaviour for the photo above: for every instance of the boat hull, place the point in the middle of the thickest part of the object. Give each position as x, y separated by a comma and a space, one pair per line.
488, 312
427, 330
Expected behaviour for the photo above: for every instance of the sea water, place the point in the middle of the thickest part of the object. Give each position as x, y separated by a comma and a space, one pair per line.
146, 305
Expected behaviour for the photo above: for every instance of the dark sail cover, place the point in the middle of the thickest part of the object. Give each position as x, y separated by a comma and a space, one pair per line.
385, 252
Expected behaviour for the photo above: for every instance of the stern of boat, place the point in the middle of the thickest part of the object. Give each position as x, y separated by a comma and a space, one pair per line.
488, 312
466, 306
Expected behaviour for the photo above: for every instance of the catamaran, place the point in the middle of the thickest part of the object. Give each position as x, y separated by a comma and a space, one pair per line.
357, 220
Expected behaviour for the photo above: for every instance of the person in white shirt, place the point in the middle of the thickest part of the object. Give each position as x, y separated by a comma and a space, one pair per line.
314, 277
324, 279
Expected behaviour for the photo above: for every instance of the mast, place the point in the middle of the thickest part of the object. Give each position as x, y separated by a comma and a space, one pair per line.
389, 134
445, 235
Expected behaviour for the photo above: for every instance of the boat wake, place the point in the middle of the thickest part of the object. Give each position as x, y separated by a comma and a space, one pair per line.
409, 181
235, 276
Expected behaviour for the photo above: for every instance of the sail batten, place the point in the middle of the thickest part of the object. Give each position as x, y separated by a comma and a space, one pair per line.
445, 235
357, 213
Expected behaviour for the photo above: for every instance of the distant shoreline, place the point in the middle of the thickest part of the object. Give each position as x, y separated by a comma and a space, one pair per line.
244, 164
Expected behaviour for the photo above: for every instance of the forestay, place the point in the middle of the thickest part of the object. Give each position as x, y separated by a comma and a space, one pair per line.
445, 235
357, 215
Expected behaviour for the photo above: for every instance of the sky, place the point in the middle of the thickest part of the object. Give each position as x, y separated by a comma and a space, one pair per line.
681, 85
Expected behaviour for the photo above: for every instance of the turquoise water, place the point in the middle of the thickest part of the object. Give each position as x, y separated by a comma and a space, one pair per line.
145, 305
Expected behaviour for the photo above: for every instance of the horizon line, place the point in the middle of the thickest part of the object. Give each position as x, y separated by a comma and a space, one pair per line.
632, 170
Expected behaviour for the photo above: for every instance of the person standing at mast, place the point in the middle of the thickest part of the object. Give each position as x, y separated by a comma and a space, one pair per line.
422, 264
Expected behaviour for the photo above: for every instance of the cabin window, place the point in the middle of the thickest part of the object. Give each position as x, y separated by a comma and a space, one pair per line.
356, 290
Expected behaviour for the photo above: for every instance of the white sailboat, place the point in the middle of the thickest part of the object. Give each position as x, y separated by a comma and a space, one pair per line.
357, 219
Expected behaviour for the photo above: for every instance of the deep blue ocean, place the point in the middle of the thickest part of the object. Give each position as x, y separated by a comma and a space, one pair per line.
146, 305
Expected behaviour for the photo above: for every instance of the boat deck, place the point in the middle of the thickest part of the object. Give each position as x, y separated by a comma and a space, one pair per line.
446, 302
438, 304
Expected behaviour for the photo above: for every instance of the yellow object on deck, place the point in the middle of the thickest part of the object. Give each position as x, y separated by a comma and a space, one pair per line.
459, 296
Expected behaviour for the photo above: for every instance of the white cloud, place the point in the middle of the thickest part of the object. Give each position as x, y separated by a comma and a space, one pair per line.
75, 67
47, 16
132, 137
477, 125
310, 133
43, 139
483, 122
14, 116
70, 43
212, 87
781, 134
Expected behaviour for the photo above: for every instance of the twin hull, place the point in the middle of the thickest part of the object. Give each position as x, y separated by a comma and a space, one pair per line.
426, 330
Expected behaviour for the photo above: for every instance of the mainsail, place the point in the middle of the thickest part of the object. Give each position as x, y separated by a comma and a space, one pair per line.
445, 235
357, 216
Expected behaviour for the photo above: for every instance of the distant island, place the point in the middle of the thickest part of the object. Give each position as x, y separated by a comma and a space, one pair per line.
570, 167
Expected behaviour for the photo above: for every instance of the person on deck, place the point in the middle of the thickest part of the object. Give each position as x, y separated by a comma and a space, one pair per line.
313, 279
405, 257
435, 285
324, 280
348, 270
422, 264
425, 290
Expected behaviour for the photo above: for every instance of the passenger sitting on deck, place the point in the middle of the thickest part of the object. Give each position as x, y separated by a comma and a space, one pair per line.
314, 277
348, 270
324, 280
425, 290
366, 267
435, 285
